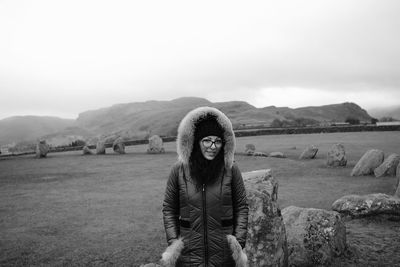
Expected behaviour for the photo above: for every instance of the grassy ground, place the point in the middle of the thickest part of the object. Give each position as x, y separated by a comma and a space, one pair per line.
105, 210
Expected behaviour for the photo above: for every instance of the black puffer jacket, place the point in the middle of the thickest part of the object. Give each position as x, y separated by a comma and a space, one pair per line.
203, 218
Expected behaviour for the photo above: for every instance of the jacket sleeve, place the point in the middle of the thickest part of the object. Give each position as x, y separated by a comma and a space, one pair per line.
240, 206
171, 206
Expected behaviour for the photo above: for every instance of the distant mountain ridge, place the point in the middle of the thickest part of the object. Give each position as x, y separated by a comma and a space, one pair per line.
140, 119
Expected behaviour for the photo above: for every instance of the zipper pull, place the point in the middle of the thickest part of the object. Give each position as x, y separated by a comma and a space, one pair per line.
203, 187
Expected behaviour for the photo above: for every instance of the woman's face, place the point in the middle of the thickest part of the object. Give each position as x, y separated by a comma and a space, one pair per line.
210, 146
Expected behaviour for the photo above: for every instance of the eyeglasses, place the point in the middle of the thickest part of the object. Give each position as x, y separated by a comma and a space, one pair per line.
208, 142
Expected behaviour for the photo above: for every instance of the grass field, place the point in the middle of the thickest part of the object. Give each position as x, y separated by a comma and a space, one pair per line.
105, 210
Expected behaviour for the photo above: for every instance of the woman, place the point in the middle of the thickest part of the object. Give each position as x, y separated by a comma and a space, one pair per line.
205, 209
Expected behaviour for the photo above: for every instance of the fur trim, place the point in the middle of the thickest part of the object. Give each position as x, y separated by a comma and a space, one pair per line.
238, 254
186, 131
172, 253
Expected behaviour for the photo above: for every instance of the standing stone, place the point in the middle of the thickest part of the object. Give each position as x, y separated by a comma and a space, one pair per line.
42, 148
266, 243
119, 146
101, 147
367, 205
388, 167
86, 151
368, 163
155, 145
250, 149
398, 171
277, 155
315, 236
397, 193
260, 154
336, 156
309, 153
262, 180
150, 265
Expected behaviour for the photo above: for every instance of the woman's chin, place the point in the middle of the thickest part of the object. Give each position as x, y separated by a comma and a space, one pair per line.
210, 156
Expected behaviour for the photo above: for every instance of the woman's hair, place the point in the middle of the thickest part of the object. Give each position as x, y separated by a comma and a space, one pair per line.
202, 170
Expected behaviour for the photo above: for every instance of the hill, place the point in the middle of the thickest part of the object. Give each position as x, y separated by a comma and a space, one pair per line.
27, 128
138, 120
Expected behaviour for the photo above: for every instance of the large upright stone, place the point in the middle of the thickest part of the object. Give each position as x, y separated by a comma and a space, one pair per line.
42, 148
250, 149
155, 145
266, 243
336, 156
262, 180
309, 153
366, 205
368, 163
315, 236
397, 193
119, 146
388, 167
276, 155
151, 265
398, 171
86, 151
101, 147
259, 154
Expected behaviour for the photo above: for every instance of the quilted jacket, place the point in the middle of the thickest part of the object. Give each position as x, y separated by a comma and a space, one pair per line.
210, 221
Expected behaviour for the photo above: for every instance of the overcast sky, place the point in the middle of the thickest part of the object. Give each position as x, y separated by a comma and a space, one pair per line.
61, 58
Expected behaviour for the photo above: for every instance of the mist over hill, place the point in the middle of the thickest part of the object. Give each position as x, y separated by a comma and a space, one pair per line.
138, 120
393, 111
27, 128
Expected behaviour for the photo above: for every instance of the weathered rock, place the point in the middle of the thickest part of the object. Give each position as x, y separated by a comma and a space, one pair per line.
309, 153
398, 171
366, 205
262, 180
100, 147
397, 193
42, 148
388, 167
368, 163
155, 145
119, 146
259, 154
277, 155
336, 156
150, 265
86, 151
315, 236
266, 243
250, 149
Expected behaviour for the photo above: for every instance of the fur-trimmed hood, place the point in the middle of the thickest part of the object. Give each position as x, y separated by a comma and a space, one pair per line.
187, 129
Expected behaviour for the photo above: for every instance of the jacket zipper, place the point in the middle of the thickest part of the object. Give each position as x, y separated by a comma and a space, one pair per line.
205, 227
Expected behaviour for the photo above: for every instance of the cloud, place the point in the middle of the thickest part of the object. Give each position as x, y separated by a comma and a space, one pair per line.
92, 54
